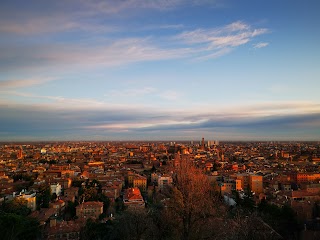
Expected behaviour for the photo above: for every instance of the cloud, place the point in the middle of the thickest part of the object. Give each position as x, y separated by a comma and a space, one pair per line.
112, 7
216, 42
56, 24
170, 95
216, 54
68, 117
19, 83
131, 92
199, 44
260, 45
83, 15
234, 34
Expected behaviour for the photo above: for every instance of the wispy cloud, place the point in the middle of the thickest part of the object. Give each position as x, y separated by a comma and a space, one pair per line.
231, 35
109, 6
260, 45
131, 92
216, 54
217, 42
83, 15
199, 44
19, 83
170, 95
56, 24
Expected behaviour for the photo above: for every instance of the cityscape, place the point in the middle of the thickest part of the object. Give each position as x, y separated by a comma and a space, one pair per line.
137, 190
159, 120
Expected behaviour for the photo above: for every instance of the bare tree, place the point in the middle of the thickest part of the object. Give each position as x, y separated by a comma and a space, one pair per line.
193, 201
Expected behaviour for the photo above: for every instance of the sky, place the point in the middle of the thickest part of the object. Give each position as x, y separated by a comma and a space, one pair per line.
159, 70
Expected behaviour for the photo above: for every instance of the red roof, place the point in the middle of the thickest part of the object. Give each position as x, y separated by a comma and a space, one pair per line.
133, 194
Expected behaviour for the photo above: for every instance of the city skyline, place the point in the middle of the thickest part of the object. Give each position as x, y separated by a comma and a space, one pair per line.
168, 70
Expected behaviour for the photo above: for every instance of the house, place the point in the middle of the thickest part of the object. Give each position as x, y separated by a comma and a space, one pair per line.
91, 209
55, 188
137, 181
63, 230
71, 193
30, 200
133, 199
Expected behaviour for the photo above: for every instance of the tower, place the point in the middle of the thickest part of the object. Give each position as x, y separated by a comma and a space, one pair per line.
20, 154
202, 144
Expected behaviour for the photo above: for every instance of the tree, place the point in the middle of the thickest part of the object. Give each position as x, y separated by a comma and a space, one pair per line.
77, 183
17, 206
133, 225
70, 211
316, 210
283, 220
54, 197
46, 196
96, 230
90, 194
14, 227
163, 229
248, 202
193, 201
43, 197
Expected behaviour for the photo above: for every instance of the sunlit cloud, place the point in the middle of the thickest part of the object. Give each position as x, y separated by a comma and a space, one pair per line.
19, 83
89, 117
147, 124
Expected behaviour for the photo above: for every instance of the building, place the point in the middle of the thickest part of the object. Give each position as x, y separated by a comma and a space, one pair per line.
55, 188
30, 200
164, 181
136, 180
59, 206
133, 199
227, 187
71, 193
303, 177
254, 182
212, 143
20, 153
66, 230
89, 209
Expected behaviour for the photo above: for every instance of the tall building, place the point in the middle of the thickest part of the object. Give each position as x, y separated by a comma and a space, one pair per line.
202, 143
213, 142
254, 182
20, 153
